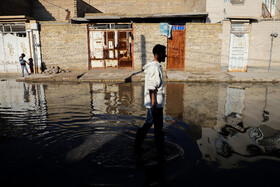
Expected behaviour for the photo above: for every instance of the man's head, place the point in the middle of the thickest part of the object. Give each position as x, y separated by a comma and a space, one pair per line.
159, 52
22, 55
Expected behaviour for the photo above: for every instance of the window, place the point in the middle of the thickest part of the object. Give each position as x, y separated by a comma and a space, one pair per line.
12, 28
270, 6
237, 2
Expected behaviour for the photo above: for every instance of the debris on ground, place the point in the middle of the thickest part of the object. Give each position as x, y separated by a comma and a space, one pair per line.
55, 70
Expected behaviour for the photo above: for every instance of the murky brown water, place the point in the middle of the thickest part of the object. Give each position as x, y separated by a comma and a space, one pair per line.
82, 134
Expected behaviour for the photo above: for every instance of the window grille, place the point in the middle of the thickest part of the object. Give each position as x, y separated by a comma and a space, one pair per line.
110, 26
12, 28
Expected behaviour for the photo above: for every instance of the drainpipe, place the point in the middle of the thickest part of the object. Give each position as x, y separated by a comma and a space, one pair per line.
273, 35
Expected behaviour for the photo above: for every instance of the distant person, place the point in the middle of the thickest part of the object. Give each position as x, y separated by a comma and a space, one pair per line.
23, 65
154, 98
30, 63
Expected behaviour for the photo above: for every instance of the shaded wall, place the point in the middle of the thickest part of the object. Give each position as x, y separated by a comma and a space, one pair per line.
65, 45
83, 7
15, 7
146, 36
203, 47
53, 10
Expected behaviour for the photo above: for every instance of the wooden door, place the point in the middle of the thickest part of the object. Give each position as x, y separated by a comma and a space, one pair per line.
176, 48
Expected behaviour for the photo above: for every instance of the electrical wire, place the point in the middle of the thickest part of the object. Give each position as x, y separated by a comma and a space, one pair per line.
56, 5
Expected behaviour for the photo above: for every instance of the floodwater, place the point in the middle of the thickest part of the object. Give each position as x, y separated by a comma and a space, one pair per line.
82, 135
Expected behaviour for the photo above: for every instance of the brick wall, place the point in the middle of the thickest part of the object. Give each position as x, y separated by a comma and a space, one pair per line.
148, 6
146, 36
15, 7
53, 10
203, 47
83, 7
65, 45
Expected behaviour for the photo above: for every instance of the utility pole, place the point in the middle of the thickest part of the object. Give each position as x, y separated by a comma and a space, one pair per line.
273, 35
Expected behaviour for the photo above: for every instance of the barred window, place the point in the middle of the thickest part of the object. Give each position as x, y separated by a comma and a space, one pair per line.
12, 28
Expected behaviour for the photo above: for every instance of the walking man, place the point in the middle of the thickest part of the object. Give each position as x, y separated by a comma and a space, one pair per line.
154, 98
23, 65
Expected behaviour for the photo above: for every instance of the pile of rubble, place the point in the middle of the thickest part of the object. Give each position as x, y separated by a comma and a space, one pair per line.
55, 70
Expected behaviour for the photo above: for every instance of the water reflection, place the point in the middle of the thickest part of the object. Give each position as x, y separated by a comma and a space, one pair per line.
91, 127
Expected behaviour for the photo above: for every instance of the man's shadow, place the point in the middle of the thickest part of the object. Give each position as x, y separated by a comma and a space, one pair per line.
128, 79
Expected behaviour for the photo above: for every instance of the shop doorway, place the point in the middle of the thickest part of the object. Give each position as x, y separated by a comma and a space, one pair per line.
110, 46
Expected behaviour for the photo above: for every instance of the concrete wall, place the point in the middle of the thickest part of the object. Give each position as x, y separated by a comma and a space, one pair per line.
225, 46
203, 47
15, 7
260, 44
65, 45
148, 6
277, 10
215, 8
251, 8
146, 36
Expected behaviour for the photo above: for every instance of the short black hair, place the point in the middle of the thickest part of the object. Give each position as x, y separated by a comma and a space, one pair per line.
159, 49
22, 54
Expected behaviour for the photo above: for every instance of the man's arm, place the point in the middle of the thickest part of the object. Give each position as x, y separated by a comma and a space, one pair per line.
153, 99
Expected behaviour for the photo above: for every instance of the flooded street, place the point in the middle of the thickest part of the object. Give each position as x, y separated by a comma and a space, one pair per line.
82, 135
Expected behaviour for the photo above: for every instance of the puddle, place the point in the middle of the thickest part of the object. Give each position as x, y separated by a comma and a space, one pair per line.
83, 134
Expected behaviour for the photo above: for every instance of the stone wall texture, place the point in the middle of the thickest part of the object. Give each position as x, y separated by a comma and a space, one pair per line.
148, 6
146, 36
65, 45
203, 47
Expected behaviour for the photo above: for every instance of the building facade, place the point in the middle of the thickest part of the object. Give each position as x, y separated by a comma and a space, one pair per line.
247, 44
213, 35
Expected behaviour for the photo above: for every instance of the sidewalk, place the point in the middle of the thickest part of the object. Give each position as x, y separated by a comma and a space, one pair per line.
128, 75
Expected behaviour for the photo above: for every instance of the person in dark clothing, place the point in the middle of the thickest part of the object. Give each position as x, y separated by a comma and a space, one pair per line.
154, 98
30, 63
